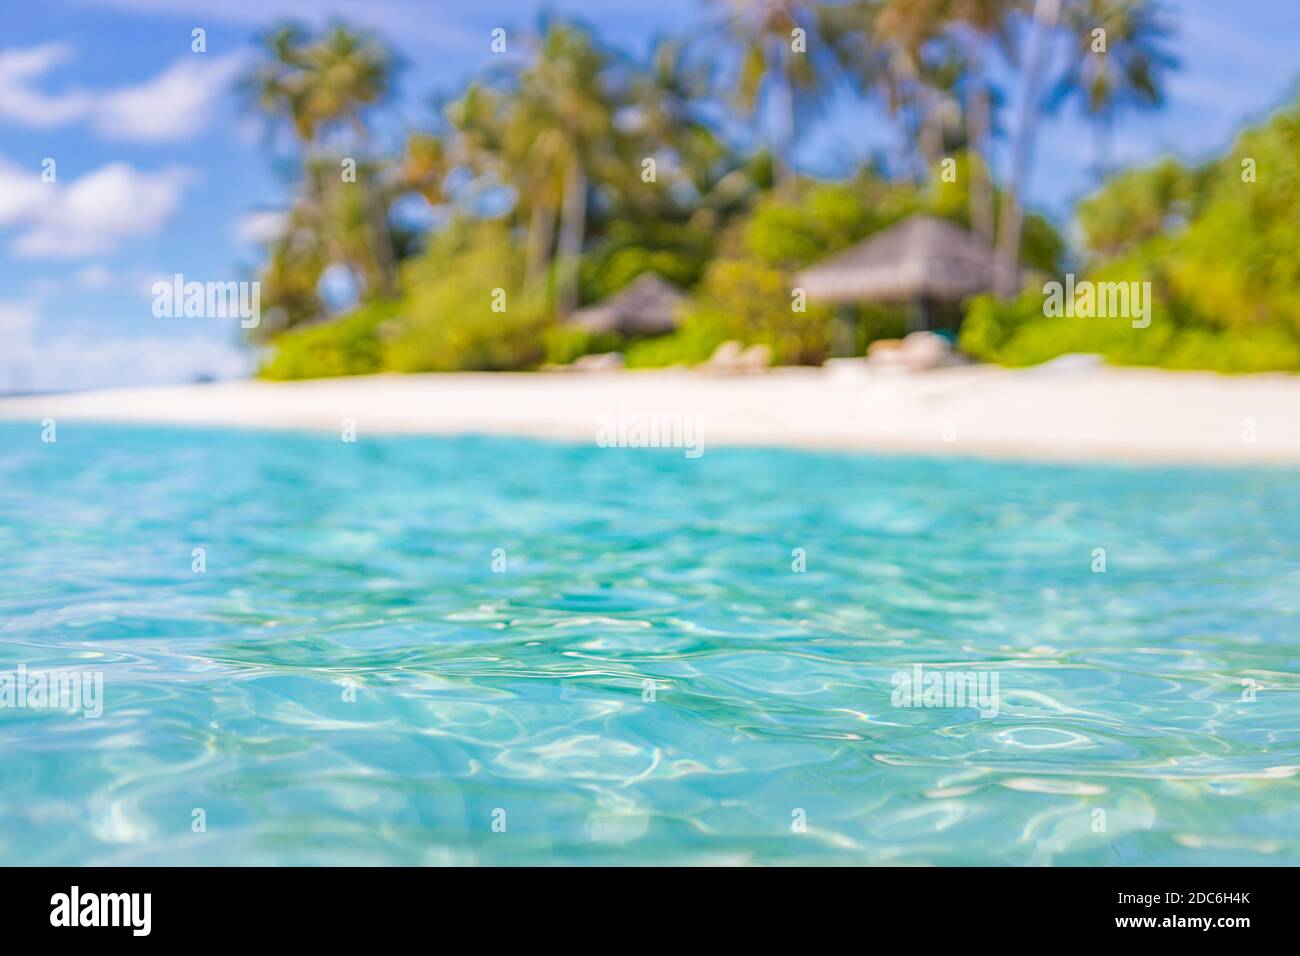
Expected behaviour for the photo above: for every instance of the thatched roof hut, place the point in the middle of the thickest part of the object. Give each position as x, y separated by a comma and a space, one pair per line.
646, 307
921, 258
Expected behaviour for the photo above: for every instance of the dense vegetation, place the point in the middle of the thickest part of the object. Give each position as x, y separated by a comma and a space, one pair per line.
1218, 243
557, 177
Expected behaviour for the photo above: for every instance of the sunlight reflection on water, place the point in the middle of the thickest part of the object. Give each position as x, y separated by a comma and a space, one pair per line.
647, 680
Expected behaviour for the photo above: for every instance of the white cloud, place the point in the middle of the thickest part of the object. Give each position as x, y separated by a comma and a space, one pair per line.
20, 103
30, 363
17, 325
173, 105
21, 193
261, 226
34, 358
95, 277
73, 362
90, 215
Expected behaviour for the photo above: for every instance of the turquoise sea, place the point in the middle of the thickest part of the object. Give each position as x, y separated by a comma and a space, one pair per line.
643, 677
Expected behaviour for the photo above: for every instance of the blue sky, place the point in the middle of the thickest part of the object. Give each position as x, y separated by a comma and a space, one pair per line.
158, 171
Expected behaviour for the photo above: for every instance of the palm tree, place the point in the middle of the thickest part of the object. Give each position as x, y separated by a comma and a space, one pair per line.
666, 98
667, 93
942, 121
1128, 71
320, 88
981, 21
274, 84
900, 50
772, 73
1011, 219
543, 129
904, 29
492, 143
560, 130
348, 72
423, 168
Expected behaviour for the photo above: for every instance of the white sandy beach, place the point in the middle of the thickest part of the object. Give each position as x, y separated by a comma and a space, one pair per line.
1086, 413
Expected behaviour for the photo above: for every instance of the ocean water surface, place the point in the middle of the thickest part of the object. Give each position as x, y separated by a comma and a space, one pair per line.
411, 650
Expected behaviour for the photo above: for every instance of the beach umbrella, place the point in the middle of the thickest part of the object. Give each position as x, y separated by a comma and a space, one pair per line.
646, 307
921, 259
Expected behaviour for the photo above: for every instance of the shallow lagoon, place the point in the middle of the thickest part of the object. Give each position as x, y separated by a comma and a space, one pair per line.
647, 680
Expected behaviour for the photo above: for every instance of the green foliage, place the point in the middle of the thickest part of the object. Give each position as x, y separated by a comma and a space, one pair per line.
1218, 250
445, 322
564, 343
555, 144
990, 324
317, 86
751, 303
691, 344
951, 200
1237, 259
346, 346
788, 233
1136, 205
874, 321
1017, 334
1041, 246
745, 294
630, 247
565, 132
448, 320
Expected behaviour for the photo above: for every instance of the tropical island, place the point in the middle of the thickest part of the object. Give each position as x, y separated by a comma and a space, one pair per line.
574, 207
568, 170
625, 479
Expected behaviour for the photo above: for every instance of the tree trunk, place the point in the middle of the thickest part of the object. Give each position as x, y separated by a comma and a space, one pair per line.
915, 154
324, 223
931, 132
783, 142
377, 219
541, 234
383, 241
573, 225
1006, 278
981, 182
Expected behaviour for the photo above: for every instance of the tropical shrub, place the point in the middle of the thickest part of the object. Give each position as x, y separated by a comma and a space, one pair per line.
751, 303
349, 345
629, 248
1218, 246
564, 343
450, 319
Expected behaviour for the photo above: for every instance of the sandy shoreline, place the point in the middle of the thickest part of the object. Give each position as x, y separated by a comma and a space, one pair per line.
1047, 413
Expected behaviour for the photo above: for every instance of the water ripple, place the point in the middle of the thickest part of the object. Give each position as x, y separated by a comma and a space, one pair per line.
647, 679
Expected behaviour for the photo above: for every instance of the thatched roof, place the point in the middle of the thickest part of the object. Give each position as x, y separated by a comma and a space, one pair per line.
646, 307
920, 256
